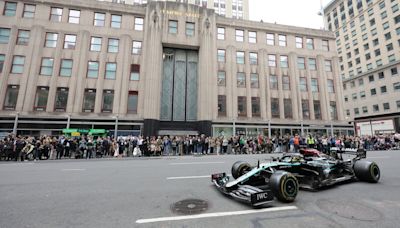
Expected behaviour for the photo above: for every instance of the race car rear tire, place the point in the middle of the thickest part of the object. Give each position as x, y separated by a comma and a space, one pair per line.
284, 186
367, 171
239, 168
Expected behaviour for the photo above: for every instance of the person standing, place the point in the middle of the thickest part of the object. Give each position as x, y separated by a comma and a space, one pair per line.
310, 141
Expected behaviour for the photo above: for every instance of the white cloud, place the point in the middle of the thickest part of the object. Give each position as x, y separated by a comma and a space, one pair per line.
303, 13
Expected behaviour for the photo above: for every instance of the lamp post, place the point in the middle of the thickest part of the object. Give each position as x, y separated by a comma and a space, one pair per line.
302, 127
234, 127
116, 127
68, 120
269, 128
15, 123
331, 127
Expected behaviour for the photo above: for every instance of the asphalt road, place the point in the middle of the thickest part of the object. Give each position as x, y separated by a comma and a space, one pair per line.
140, 192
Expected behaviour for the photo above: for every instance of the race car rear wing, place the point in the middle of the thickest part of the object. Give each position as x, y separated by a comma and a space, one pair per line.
359, 153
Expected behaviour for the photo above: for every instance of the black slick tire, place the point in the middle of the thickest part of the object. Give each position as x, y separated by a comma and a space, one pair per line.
239, 168
367, 171
284, 186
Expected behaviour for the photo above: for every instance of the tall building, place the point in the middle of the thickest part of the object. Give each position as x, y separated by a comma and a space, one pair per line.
229, 8
368, 43
163, 68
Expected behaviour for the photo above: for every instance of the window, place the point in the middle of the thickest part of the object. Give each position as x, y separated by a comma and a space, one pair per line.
254, 80
371, 78
61, 100
284, 61
377, 52
2, 59
66, 67
51, 40
111, 69
354, 96
56, 14
273, 82
221, 78
331, 87
394, 71
395, 8
18, 64
306, 109
373, 92
375, 108
396, 86
108, 99
381, 75
346, 98
47, 66
135, 72
89, 99
388, 36
29, 11
42, 94
312, 64
116, 21
10, 8
239, 35
138, 24
100, 18
325, 45
136, 47
310, 43
69, 41
301, 63
221, 55
93, 69
333, 110
255, 107
11, 97
299, 42
352, 84
314, 85
360, 81
282, 40
398, 104
95, 44
253, 37
272, 60
270, 39
389, 47
275, 113
356, 111
4, 35
253, 58
386, 106
287, 106
113, 45
303, 84
173, 27
240, 79
221, 105
242, 106
221, 33
383, 89
23, 37
132, 101
328, 65
240, 57
74, 16
285, 82
190, 29
375, 42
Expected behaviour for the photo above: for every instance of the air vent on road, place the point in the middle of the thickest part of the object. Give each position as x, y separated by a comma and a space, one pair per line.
189, 207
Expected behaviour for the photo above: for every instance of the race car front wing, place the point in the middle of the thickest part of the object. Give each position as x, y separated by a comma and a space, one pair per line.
243, 193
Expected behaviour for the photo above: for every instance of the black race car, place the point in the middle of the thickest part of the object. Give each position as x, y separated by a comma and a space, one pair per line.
282, 177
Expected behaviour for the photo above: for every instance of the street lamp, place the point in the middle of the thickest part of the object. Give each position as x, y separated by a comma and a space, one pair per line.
302, 127
116, 127
269, 128
15, 123
68, 120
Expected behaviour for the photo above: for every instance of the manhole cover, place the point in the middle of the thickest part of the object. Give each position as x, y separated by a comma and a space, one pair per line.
189, 206
349, 209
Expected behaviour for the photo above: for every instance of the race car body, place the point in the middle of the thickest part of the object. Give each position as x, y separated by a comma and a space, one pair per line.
282, 177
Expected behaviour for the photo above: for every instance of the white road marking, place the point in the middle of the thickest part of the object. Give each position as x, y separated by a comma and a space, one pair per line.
188, 177
217, 214
378, 157
195, 163
73, 169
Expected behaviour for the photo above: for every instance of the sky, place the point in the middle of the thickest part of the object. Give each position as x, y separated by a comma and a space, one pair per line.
303, 13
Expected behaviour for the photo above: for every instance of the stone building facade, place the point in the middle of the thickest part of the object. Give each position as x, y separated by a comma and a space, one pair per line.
163, 68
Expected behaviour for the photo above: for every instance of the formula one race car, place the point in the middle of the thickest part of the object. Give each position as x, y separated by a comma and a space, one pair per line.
282, 177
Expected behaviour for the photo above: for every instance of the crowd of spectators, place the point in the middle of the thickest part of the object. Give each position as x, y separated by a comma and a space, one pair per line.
20, 148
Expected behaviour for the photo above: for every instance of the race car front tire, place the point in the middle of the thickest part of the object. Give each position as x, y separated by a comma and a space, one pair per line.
367, 171
239, 168
284, 186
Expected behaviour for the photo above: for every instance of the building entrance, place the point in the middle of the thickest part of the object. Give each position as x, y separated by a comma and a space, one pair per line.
179, 85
